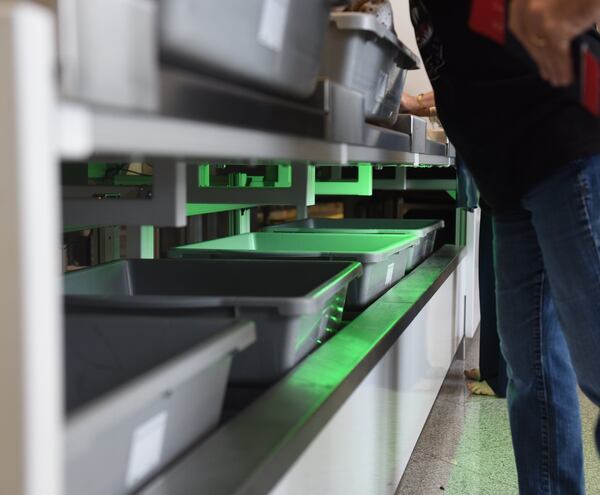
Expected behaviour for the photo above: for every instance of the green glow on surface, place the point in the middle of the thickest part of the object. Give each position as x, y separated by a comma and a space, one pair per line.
147, 242
278, 176
327, 369
363, 186
133, 180
97, 170
193, 209
340, 300
266, 243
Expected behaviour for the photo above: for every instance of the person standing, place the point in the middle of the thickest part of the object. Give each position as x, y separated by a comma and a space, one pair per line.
490, 378
534, 152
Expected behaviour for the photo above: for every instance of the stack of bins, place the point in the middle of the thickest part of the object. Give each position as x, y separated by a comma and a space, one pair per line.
149, 345
424, 230
274, 45
146, 372
384, 257
363, 55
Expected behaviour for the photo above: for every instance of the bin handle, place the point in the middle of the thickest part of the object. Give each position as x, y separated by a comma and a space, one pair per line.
394, 96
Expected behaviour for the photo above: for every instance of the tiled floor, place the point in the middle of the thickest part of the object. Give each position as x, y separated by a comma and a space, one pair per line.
465, 448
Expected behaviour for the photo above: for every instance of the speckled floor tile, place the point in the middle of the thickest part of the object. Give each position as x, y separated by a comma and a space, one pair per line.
589, 416
480, 422
466, 448
443, 431
427, 475
472, 354
454, 388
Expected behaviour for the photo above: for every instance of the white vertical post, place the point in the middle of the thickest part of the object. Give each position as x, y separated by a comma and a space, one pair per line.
473, 316
31, 426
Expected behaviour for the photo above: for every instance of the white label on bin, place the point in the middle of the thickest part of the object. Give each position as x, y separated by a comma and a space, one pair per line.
273, 22
146, 448
390, 274
382, 84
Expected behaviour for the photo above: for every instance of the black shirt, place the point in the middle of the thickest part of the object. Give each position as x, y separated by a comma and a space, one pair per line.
512, 128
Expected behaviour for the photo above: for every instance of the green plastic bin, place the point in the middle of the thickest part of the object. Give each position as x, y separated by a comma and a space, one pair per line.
384, 257
425, 230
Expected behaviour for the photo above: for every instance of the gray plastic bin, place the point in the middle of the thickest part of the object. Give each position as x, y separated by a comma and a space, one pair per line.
274, 44
384, 257
425, 230
294, 304
146, 378
361, 54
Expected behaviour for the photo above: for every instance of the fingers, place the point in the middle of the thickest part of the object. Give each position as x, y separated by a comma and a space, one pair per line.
554, 60
535, 25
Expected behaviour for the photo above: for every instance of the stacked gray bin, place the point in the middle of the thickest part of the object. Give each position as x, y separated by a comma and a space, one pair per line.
146, 373
425, 230
384, 258
294, 304
273, 44
361, 54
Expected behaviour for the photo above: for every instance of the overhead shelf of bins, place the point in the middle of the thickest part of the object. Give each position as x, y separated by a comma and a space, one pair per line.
202, 99
179, 97
244, 133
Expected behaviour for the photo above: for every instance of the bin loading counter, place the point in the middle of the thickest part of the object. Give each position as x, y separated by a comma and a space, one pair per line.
322, 428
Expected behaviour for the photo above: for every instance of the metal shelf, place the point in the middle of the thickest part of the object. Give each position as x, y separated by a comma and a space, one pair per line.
86, 133
40, 132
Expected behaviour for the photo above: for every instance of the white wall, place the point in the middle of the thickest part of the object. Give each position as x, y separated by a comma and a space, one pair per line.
417, 82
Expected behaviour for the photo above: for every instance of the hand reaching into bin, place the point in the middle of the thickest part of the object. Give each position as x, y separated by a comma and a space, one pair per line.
422, 105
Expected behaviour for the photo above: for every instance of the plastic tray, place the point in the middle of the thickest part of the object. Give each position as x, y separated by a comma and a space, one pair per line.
362, 55
384, 257
274, 44
144, 380
294, 304
425, 230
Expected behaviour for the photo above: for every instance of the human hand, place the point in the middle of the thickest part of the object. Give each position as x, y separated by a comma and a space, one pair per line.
417, 105
409, 104
546, 29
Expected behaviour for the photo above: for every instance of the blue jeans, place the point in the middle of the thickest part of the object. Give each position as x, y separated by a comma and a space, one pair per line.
547, 258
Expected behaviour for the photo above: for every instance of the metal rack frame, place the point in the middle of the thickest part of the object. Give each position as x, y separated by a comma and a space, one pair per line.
31, 430
40, 130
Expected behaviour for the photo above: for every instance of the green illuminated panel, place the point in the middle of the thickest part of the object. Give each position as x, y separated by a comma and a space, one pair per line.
97, 170
276, 176
361, 187
147, 242
194, 209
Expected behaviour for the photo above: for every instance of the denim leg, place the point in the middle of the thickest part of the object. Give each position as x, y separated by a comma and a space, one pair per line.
491, 361
566, 215
542, 389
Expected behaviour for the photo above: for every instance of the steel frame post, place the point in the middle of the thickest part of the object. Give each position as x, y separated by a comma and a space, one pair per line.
32, 426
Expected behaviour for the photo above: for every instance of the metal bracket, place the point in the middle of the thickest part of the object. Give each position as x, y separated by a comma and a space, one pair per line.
337, 186
167, 208
301, 190
397, 183
431, 185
